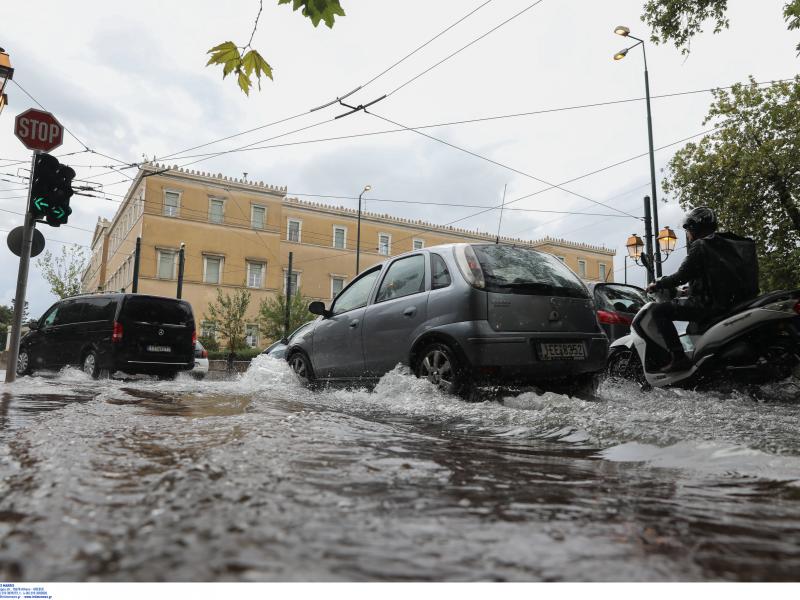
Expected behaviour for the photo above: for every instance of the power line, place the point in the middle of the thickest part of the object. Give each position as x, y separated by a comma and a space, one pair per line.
499, 164
81, 142
492, 30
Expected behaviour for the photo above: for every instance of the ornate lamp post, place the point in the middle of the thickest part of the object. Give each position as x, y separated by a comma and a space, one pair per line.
626, 32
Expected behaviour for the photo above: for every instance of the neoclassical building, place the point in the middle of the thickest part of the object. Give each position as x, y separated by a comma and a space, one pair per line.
238, 233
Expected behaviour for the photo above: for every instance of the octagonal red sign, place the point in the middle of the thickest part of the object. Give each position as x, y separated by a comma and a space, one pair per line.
38, 130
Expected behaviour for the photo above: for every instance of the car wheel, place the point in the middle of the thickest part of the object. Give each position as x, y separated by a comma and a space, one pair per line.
90, 366
301, 365
24, 363
439, 364
168, 376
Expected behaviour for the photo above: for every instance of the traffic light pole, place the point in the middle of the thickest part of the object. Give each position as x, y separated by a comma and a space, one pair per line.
22, 281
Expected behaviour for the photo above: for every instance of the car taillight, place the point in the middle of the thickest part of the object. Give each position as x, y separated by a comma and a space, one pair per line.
204, 354
613, 318
194, 337
116, 334
469, 266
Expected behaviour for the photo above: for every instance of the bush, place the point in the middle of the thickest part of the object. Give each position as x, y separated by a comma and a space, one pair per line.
246, 354
209, 342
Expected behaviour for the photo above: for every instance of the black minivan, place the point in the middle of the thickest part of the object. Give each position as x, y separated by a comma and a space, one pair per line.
107, 332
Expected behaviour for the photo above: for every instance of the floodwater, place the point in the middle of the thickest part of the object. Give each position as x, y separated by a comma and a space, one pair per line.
259, 479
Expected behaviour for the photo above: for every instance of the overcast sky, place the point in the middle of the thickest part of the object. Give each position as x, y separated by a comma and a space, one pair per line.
129, 80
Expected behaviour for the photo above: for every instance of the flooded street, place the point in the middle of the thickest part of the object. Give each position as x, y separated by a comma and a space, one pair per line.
259, 479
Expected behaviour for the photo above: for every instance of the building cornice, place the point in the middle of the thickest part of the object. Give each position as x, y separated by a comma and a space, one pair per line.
425, 226
218, 180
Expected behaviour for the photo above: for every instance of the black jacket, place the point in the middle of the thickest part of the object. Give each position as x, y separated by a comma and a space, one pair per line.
721, 270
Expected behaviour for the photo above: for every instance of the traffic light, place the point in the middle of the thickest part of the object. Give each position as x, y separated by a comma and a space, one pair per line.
51, 189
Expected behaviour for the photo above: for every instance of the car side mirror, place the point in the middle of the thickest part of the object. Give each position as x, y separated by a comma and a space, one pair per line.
318, 308
33, 325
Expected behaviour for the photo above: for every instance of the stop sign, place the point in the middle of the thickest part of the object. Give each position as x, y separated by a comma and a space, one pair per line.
38, 130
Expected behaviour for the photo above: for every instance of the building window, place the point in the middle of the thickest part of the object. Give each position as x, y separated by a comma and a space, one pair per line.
172, 204
337, 285
582, 268
258, 217
384, 244
255, 274
166, 264
602, 272
295, 282
293, 230
339, 237
208, 329
212, 269
251, 335
417, 244
216, 210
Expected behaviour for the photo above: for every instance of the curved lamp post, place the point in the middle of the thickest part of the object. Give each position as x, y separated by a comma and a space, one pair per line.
626, 32
358, 229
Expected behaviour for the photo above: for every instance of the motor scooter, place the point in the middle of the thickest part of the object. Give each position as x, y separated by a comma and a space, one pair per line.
756, 342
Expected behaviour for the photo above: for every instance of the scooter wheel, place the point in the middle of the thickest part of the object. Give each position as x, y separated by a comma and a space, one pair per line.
625, 364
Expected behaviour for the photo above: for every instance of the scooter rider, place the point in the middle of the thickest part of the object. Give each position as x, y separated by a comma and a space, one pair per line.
721, 270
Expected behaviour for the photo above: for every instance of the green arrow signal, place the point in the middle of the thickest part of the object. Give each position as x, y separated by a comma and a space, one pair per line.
58, 212
40, 204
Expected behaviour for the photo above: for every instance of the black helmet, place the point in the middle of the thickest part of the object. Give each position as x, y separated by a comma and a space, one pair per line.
701, 220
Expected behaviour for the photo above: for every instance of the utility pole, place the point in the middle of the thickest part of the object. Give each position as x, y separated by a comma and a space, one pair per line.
287, 313
136, 257
22, 280
181, 260
648, 241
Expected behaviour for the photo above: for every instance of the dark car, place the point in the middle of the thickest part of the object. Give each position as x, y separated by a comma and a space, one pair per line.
132, 333
278, 349
617, 304
460, 315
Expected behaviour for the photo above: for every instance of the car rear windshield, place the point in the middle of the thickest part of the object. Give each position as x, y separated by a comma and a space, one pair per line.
158, 310
620, 298
513, 270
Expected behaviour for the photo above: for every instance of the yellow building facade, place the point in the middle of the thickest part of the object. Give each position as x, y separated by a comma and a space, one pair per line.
238, 234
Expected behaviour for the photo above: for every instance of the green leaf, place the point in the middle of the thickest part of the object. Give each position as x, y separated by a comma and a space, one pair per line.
318, 10
225, 52
244, 83
253, 62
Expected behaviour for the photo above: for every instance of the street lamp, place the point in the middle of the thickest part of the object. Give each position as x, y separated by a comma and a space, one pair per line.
639, 254
667, 241
6, 74
626, 32
358, 229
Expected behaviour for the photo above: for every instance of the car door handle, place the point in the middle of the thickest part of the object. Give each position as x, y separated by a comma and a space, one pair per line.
353, 323
410, 311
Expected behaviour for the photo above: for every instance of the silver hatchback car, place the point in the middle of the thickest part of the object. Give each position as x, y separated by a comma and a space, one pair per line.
462, 316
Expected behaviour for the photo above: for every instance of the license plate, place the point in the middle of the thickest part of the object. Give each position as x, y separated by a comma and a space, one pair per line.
561, 351
159, 349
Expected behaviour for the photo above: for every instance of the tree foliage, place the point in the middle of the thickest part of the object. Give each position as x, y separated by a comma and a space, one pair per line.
678, 21
748, 170
271, 314
63, 272
227, 314
246, 61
